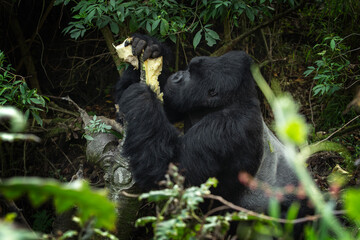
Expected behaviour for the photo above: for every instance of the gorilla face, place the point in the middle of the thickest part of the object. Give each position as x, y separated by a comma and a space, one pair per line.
210, 82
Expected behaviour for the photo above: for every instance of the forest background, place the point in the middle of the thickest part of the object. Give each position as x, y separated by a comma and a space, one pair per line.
52, 49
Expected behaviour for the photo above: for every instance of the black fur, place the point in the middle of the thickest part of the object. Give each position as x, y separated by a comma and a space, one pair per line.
224, 131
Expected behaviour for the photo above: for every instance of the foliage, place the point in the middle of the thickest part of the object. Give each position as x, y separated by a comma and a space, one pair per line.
167, 18
335, 71
177, 216
95, 126
92, 205
14, 91
332, 70
297, 158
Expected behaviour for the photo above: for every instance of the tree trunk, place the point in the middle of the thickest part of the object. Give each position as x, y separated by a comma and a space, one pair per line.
25, 53
109, 39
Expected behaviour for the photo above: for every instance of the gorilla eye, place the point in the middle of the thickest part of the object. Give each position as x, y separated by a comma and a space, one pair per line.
212, 92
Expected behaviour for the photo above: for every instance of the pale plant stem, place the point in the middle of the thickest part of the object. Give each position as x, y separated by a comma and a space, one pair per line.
325, 209
297, 160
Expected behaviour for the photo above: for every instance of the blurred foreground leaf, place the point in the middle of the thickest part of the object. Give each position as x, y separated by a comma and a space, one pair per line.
90, 203
351, 200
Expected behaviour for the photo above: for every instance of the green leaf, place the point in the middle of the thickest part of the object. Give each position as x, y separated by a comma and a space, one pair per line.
58, 2
37, 198
114, 27
164, 27
91, 15
209, 40
37, 118
75, 34
332, 44
172, 38
213, 34
250, 14
144, 220
155, 24
88, 137
36, 101
309, 71
291, 215
274, 208
22, 90
351, 200
197, 38
159, 195
90, 203
112, 3
148, 27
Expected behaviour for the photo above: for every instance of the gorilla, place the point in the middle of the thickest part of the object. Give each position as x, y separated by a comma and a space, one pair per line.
224, 130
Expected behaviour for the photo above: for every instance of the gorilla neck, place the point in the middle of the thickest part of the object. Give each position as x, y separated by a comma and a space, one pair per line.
195, 116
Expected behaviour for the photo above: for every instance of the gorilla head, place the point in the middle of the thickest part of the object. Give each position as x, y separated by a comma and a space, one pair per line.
211, 82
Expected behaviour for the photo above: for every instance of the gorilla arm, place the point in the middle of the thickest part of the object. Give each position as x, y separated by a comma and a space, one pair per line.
151, 141
221, 145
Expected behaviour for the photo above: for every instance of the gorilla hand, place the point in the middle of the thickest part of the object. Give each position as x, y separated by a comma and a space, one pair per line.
150, 47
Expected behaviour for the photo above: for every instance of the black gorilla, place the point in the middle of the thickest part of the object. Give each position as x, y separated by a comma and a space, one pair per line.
224, 130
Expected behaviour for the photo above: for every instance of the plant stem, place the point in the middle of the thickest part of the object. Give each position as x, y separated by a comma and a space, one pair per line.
314, 193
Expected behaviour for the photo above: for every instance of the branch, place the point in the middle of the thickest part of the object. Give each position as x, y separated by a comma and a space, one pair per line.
86, 118
228, 46
332, 134
109, 39
265, 217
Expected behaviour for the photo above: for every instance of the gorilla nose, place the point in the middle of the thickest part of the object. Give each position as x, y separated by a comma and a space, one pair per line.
177, 77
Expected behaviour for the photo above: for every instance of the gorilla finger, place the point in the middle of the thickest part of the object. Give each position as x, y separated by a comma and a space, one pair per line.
147, 53
135, 41
138, 47
127, 43
156, 51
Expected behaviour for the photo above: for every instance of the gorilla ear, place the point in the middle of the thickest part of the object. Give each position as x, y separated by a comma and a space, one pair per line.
212, 92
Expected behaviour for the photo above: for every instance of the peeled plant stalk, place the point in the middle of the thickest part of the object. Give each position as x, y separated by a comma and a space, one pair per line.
151, 66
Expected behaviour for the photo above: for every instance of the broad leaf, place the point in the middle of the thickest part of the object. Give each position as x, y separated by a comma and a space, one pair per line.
197, 38
90, 203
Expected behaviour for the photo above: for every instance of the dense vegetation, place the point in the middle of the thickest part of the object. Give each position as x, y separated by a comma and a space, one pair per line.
57, 48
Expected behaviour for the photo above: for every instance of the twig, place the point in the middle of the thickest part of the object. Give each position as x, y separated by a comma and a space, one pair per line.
12, 206
132, 195
83, 114
327, 138
230, 205
67, 158
13, 74
265, 217
347, 87
311, 111
55, 107
217, 209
